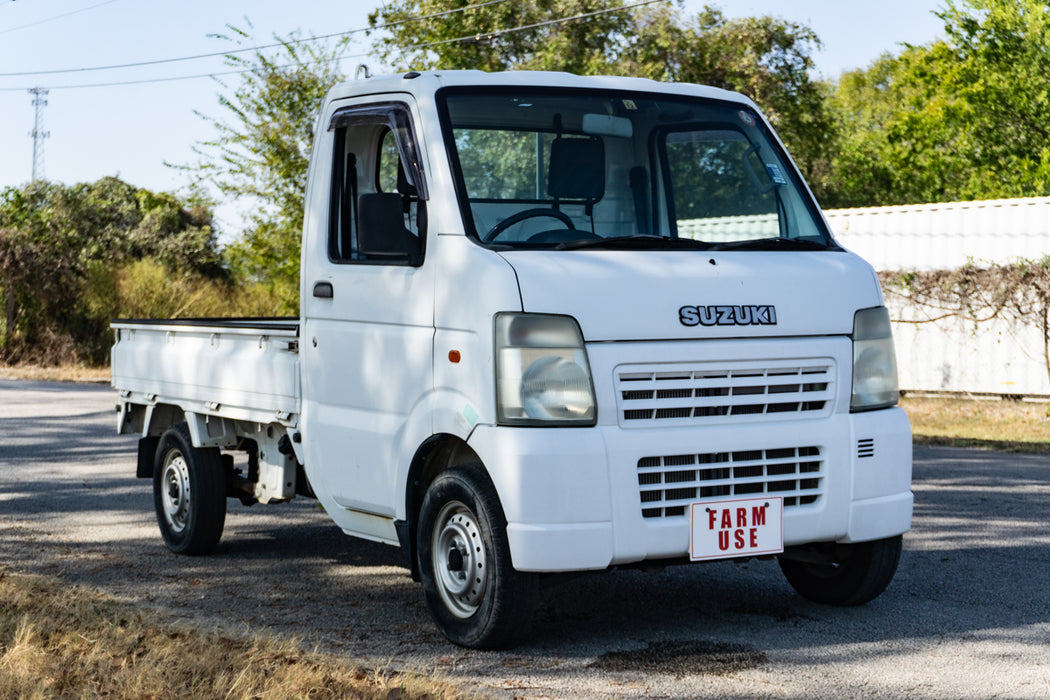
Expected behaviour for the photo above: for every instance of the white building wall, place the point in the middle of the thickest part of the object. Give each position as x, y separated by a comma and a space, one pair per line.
958, 356
954, 354
945, 236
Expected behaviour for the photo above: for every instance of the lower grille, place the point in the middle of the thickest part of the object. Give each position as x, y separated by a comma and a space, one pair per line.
669, 484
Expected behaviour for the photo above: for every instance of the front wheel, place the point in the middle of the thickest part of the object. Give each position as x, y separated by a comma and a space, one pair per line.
473, 592
856, 574
189, 493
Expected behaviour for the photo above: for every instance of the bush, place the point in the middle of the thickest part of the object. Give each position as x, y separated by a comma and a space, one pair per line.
74, 257
140, 289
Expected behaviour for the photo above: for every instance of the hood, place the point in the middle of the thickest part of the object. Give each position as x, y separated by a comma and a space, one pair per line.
678, 295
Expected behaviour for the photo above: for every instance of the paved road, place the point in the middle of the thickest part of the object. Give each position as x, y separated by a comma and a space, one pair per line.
968, 615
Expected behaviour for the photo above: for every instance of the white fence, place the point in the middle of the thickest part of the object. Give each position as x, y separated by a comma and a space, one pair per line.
945, 236
952, 354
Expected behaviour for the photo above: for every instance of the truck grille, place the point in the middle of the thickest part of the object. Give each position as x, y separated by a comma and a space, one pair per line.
742, 392
669, 484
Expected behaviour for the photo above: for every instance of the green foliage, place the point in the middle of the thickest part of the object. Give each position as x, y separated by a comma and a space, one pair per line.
585, 46
261, 153
766, 58
59, 246
963, 118
267, 255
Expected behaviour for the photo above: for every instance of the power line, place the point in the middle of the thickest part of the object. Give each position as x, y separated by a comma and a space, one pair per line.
400, 51
51, 19
470, 37
215, 54
500, 32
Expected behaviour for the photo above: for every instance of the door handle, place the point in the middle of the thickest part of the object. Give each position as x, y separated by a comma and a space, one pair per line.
323, 290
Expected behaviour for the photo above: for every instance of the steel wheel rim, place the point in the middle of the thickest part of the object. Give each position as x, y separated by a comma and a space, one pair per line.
458, 557
175, 491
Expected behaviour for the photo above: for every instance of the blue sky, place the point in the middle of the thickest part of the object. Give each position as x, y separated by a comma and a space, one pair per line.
129, 131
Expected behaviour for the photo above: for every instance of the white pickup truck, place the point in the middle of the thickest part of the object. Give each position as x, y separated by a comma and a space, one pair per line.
549, 323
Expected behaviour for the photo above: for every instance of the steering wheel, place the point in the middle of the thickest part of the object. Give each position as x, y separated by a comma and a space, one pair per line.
502, 226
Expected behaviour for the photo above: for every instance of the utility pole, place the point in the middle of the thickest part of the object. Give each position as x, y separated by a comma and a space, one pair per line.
38, 132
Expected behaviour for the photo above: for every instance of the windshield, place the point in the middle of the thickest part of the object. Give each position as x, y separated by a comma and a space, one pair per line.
582, 169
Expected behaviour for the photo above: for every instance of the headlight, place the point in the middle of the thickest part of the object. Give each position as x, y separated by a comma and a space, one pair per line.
874, 361
542, 373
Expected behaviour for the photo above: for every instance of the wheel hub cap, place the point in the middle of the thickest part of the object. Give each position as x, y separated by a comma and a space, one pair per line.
175, 491
459, 560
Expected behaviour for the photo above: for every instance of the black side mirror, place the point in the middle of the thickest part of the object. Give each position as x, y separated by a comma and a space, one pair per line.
382, 232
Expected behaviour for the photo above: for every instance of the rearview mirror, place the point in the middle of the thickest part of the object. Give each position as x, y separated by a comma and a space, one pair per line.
606, 125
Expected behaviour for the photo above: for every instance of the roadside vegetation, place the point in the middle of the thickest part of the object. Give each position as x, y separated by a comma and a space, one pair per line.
58, 641
1011, 426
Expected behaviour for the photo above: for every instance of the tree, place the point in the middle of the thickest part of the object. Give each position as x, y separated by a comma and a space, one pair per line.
56, 239
898, 139
501, 36
261, 153
967, 117
1003, 47
766, 58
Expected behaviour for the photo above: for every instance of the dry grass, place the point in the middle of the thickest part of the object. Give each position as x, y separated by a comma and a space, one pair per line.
1014, 426
68, 373
58, 641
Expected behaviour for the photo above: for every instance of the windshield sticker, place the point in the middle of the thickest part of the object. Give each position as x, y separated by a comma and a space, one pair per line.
774, 174
746, 117
630, 104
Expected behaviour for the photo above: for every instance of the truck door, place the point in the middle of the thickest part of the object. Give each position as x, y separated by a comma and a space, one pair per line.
368, 309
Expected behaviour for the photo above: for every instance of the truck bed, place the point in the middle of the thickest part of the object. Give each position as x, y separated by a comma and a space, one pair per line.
240, 368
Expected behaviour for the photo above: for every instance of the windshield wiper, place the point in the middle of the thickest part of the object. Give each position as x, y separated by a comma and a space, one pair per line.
775, 243
639, 241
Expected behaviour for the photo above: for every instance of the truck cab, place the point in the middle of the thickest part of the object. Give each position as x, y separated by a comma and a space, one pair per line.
554, 323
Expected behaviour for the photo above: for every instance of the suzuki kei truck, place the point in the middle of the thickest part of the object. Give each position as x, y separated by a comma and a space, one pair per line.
549, 323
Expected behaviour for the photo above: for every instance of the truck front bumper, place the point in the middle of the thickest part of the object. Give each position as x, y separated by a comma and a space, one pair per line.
573, 496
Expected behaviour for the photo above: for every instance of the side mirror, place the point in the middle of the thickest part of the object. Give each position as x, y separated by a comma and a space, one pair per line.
382, 232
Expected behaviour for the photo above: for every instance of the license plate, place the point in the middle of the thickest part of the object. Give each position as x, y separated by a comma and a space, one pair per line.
741, 528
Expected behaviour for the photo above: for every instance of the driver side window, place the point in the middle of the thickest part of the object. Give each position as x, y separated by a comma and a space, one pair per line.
377, 215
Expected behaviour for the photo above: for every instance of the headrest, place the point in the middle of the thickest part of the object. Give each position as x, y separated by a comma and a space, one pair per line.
577, 169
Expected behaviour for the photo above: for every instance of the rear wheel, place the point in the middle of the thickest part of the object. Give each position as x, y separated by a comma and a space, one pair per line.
473, 592
855, 573
189, 493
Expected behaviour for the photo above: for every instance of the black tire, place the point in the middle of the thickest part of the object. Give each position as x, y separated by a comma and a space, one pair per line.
861, 573
189, 493
462, 529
